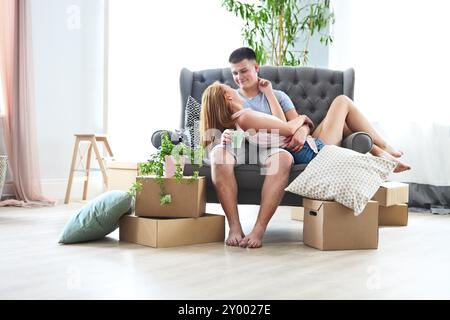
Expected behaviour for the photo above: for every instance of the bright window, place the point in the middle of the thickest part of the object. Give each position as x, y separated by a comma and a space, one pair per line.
149, 43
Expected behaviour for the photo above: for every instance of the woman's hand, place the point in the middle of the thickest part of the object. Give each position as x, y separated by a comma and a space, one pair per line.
226, 137
265, 86
298, 140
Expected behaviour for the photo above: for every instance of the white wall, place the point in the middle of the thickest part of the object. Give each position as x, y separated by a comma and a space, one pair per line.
68, 42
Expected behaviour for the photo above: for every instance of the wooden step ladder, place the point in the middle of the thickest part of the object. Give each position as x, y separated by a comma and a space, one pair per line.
92, 139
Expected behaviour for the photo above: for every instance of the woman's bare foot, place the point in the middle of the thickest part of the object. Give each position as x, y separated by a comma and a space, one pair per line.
401, 166
254, 239
235, 236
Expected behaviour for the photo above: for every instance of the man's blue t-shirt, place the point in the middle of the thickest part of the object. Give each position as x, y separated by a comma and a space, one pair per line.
261, 104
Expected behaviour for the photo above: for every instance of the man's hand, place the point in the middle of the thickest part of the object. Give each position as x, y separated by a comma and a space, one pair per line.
226, 137
265, 86
298, 139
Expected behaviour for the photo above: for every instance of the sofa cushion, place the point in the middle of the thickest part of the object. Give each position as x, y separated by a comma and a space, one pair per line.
342, 175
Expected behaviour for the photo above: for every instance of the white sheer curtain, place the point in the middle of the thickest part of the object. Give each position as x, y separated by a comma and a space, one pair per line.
400, 50
1, 99
149, 43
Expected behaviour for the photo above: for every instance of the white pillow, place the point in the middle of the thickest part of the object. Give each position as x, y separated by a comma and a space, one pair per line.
344, 176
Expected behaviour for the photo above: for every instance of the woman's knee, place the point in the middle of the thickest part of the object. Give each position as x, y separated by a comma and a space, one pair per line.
342, 103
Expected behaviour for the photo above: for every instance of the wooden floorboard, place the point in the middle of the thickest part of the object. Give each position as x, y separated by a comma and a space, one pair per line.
410, 263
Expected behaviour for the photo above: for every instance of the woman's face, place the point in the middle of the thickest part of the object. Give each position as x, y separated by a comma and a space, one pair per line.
231, 95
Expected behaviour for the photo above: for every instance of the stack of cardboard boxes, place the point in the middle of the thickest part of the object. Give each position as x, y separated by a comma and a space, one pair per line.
329, 225
181, 222
393, 200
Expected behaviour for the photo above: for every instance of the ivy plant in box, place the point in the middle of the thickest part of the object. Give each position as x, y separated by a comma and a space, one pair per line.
169, 162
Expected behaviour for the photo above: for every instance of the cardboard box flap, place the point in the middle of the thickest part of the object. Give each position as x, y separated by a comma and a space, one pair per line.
313, 204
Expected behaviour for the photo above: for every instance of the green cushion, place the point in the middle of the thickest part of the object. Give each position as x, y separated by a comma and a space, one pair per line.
98, 218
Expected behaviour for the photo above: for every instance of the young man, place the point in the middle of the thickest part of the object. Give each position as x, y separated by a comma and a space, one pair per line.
277, 162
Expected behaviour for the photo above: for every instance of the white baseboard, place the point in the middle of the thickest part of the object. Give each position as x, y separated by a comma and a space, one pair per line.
55, 189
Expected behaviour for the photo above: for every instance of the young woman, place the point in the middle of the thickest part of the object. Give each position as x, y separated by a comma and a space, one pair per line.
223, 110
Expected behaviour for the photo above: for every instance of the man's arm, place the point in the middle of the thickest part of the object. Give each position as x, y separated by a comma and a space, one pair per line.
265, 86
291, 114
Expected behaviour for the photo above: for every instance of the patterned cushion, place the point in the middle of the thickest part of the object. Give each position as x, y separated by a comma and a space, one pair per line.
344, 176
192, 120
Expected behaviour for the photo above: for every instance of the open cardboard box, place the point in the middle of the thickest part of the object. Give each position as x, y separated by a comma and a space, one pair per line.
188, 198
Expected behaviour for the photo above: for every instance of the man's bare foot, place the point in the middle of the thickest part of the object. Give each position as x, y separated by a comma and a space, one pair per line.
393, 152
401, 166
254, 239
235, 236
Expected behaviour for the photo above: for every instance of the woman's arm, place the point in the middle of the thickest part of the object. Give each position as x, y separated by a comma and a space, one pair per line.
265, 86
259, 121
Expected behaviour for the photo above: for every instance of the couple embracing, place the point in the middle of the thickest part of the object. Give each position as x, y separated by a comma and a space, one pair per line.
269, 116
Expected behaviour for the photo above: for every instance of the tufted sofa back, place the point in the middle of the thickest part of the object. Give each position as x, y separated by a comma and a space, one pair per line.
312, 90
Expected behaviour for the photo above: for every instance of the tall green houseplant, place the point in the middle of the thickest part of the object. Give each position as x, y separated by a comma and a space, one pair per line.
272, 28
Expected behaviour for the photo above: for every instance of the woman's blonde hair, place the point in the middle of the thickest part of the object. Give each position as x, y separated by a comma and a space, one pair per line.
216, 113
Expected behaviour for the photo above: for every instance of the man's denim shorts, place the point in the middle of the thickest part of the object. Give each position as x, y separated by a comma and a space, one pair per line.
306, 154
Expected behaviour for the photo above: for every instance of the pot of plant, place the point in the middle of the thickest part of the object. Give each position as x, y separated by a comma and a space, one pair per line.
170, 166
169, 162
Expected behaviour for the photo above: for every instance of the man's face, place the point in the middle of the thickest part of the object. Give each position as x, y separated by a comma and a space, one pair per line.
245, 73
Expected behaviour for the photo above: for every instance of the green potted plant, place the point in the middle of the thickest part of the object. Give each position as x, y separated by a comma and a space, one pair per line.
272, 28
169, 162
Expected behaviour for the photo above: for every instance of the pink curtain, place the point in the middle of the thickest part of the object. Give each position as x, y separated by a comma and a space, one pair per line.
16, 70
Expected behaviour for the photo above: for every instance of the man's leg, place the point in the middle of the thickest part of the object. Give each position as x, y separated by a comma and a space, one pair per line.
222, 172
278, 167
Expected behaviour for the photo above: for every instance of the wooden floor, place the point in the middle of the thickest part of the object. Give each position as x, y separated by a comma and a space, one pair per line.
410, 263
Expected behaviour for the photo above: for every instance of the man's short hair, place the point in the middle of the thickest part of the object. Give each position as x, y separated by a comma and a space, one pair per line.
241, 54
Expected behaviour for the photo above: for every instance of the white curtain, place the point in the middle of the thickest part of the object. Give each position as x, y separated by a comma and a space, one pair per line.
149, 43
400, 51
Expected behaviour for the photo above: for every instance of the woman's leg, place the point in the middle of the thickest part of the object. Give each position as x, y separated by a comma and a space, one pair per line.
342, 111
356, 121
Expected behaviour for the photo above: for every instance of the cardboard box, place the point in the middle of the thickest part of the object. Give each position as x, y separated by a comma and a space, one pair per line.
329, 225
392, 193
188, 199
163, 233
396, 215
297, 213
121, 175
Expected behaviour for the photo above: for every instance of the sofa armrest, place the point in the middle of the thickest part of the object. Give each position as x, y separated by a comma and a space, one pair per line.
175, 137
358, 141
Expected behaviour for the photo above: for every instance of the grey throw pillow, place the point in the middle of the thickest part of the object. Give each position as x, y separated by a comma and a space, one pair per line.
192, 120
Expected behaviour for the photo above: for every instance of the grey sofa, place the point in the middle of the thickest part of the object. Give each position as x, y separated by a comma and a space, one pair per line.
312, 91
